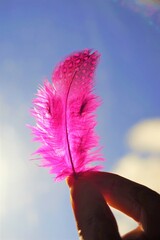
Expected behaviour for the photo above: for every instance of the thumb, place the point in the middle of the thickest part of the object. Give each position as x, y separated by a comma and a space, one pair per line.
94, 218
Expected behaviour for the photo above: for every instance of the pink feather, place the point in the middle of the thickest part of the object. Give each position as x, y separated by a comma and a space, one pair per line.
65, 119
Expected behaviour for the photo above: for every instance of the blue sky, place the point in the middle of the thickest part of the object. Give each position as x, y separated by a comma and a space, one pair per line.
34, 37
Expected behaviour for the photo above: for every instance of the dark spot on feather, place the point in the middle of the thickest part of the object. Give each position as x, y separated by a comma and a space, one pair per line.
83, 106
49, 109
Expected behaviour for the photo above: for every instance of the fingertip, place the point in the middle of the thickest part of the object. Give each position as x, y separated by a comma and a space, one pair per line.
70, 180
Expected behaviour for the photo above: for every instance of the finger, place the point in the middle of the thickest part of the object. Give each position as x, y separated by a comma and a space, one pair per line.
135, 200
94, 218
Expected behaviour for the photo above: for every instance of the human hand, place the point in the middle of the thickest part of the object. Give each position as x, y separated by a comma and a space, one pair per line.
91, 193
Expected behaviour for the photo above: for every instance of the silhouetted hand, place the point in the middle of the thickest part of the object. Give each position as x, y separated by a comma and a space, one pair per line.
91, 192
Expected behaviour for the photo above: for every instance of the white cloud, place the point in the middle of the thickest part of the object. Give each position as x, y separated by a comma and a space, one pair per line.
22, 184
142, 170
16, 186
139, 166
145, 136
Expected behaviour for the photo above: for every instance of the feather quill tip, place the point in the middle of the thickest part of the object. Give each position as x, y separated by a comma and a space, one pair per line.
64, 111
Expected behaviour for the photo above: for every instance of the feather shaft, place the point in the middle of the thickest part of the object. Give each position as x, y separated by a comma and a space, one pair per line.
66, 128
